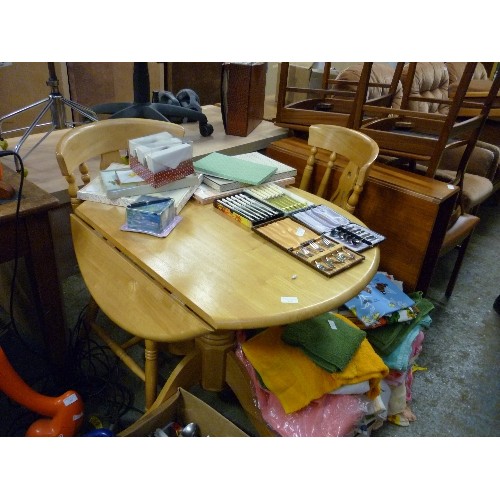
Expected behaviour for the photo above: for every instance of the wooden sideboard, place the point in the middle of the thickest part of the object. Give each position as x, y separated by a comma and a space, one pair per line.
412, 211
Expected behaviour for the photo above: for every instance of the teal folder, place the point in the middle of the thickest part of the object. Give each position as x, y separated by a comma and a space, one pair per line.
234, 169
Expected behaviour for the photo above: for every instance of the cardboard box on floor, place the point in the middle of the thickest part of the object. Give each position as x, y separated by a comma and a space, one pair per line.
183, 407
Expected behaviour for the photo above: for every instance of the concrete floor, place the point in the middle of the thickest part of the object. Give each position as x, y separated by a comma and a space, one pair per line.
459, 393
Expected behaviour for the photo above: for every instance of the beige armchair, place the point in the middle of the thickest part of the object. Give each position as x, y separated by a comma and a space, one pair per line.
381, 77
430, 82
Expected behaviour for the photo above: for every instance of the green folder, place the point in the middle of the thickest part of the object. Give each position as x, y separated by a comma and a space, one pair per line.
234, 169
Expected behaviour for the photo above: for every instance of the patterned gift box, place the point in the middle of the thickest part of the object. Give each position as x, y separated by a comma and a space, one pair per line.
158, 179
160, 159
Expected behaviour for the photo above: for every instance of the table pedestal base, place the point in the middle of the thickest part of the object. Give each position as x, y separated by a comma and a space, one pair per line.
213, 364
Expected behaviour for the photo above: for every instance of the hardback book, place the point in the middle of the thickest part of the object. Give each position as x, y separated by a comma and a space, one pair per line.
283, 171
204, 194
118, 182
95, 191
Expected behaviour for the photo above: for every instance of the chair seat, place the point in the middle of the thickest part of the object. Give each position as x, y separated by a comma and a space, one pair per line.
476, 189
475, 86
483, 161
460, 230
478, 89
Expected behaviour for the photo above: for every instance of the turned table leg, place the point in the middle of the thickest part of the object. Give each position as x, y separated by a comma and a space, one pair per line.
213, 348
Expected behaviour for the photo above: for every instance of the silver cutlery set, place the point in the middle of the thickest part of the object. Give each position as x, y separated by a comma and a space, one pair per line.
316, 234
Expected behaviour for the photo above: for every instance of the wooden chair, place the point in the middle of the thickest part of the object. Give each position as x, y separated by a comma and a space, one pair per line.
136, 313
416, 135
457, 238
358, 152
413, 135
410, 133
478, 88
105, 142
333, 102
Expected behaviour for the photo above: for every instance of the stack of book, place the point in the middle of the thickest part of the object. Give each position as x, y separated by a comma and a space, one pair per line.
119, 185
236, 170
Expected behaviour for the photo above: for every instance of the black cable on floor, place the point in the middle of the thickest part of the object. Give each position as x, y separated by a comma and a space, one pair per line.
95, 375
89, 370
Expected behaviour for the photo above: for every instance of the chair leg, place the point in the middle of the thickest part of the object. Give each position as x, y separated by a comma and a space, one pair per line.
150, 371
91, 314
458, 264
119, 352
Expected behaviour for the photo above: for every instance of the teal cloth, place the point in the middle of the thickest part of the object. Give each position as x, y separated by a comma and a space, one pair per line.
399, 358
386, 338
330, 348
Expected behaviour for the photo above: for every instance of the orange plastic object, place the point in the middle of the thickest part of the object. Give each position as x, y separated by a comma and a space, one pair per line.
65, 412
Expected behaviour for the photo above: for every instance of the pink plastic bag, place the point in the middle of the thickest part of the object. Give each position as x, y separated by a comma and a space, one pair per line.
329, 416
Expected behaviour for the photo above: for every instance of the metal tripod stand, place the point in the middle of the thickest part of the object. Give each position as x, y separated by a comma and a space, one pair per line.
56, 103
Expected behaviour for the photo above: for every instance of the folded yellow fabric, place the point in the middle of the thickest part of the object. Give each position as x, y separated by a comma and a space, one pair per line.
296, 380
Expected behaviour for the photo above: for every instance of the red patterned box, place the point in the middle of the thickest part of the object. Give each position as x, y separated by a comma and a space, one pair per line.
158, 179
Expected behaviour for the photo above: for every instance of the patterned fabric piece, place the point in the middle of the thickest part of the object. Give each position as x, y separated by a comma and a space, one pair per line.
379, 298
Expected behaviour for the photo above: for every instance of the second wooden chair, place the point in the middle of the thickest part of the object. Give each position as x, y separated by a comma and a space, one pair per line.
352, 154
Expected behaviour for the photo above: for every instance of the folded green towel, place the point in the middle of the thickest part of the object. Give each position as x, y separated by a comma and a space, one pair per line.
386, 338
329, 341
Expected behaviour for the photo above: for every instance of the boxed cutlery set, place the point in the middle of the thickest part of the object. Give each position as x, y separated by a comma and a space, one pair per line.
338, 228
259, 204
315, 250
315, 234
246, 209
278, 197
